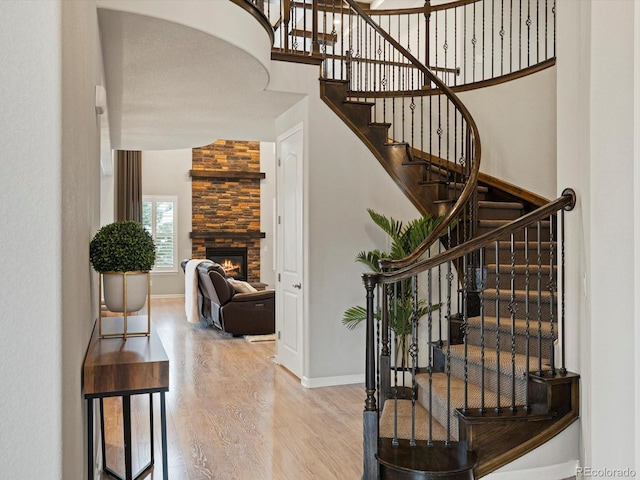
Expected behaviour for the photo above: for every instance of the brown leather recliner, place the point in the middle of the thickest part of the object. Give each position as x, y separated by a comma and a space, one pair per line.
233, 312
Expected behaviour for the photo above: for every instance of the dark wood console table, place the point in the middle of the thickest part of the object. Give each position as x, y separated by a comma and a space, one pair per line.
114, 367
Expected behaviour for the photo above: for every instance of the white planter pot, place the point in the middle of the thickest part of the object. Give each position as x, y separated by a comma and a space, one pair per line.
113, 285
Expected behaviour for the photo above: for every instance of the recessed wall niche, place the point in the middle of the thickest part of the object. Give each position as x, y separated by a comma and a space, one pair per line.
226, 200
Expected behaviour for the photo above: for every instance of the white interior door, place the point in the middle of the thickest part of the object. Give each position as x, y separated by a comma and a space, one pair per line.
289, 287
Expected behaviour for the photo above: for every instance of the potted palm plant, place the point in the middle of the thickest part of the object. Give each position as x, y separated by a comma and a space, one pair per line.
405, 239
123, 253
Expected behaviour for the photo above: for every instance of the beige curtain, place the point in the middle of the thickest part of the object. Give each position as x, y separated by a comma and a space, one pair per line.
128, 185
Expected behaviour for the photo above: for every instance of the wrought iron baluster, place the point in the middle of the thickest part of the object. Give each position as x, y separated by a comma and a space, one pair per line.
527, 314
455, 45
427, 32
480, 285
448, 349
502, 33
513, 307
474, 40
493, 37
399, 345
430, 352
563, 368
539, 312
520, 37
511, 36
413, 352
445, 45
465, 322
552, 287
484, 39
498, 408
528, 23
537, 31
464, 44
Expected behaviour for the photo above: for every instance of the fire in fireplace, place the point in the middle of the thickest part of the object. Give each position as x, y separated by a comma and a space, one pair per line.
233, 260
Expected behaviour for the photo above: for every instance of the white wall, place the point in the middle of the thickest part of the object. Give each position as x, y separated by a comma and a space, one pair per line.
517, 124
50, 191
166, 172
596, 134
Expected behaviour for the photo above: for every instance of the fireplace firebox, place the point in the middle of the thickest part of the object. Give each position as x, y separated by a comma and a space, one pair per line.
233, 260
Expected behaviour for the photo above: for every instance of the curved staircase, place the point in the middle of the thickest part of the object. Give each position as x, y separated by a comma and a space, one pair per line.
483, 381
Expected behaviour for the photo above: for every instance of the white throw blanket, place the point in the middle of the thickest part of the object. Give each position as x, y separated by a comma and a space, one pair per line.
191, 306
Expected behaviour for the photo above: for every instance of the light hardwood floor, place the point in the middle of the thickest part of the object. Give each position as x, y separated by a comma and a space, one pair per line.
233, 414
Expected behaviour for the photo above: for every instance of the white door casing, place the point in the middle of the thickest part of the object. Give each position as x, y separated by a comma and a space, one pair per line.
289, 239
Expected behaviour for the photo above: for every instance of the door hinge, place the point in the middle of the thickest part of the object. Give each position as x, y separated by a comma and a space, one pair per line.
279, 220
279, 162
278, 334
279, 278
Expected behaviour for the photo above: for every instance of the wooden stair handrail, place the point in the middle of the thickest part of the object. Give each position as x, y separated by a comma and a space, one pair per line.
566, 201
472, 181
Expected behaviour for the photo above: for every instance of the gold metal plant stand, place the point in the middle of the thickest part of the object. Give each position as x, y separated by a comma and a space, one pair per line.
125, 314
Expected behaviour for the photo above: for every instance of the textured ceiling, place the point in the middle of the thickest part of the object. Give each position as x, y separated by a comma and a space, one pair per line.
171, 86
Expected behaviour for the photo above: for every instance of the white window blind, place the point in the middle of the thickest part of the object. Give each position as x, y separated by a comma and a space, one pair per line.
159, 217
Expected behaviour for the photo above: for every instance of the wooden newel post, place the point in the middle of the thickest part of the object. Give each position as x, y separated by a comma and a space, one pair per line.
370, 414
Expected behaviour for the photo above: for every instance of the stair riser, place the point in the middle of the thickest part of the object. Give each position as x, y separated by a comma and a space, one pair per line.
520, 279
439, 410
498, 213
360, 113
520, 256
491, 379
444, 192
545, 234
490, 340
490, 309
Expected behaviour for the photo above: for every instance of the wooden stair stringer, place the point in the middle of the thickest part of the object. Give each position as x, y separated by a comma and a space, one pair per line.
499, 439
394, 157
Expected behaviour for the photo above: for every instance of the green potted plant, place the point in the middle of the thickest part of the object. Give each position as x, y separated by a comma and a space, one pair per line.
405, 239
123, 253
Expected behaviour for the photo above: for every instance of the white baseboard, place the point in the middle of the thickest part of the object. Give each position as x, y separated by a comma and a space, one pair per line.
549, 472
168, 295
331, 381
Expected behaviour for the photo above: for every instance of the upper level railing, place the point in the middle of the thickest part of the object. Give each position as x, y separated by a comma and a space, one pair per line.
466, 42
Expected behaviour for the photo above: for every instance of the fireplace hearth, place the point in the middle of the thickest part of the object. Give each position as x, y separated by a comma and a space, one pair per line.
233, 260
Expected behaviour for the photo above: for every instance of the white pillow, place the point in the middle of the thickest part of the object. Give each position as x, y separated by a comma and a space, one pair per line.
240, 286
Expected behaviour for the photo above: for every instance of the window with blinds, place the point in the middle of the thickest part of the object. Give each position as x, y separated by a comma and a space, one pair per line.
159, 217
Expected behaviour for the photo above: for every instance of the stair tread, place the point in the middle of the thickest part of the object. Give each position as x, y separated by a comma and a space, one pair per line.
519, 269
457, 387
387, 421
519, 295
475, 355
500, 223
505, 205
520, 326
521, 243
358, 102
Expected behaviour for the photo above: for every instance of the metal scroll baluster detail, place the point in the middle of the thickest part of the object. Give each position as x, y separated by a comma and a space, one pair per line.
498, 408
563, 368
552, 286
482, 283
539, 311
527, 367
513, 309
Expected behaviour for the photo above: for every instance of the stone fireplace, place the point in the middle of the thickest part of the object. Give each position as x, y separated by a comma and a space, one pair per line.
226, 202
